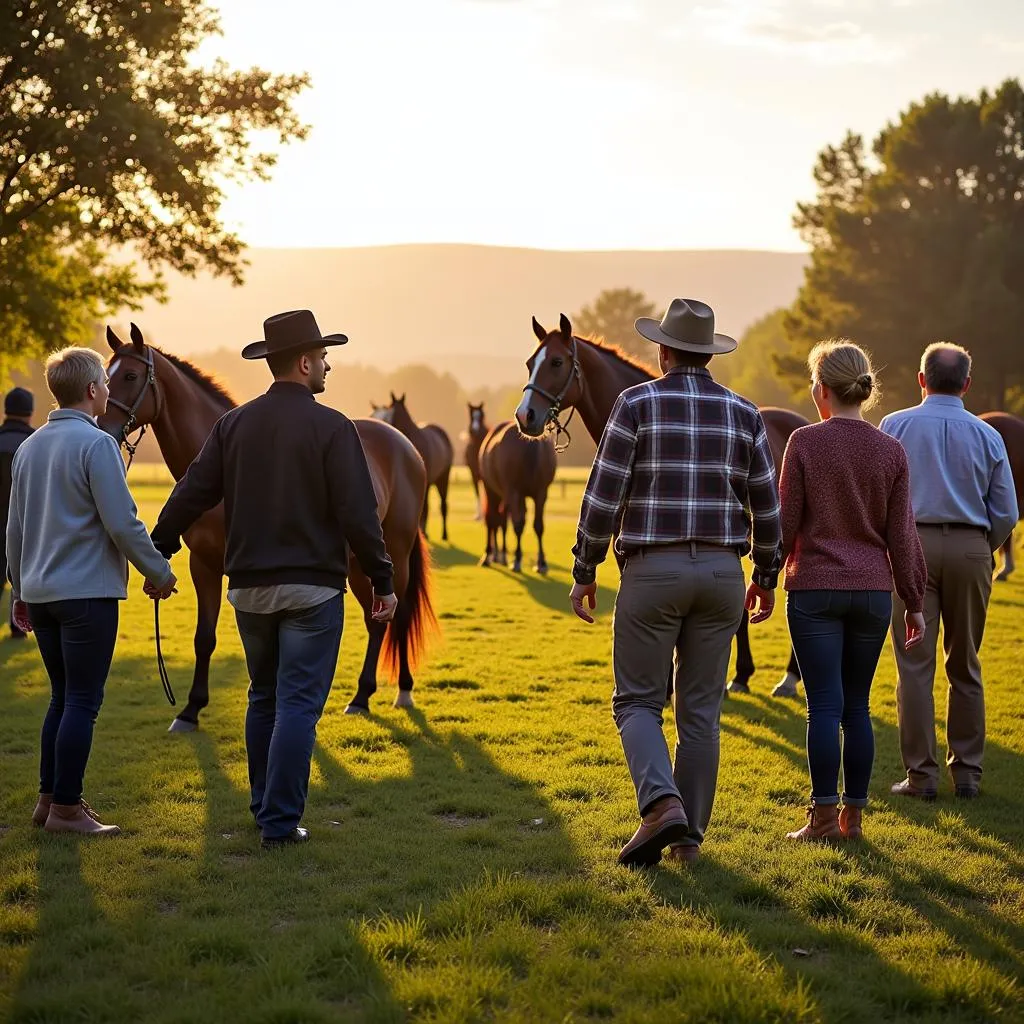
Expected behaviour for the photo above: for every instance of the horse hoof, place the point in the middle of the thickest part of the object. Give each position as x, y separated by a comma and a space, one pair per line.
737, 686
787, 687
542, 569
517, 566
356, 709
403, 699
180, 725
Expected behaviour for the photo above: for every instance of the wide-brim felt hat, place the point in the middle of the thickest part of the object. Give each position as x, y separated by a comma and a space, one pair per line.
688, 325
293, 331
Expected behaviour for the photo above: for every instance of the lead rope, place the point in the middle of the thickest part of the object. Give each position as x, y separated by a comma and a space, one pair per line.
161, 667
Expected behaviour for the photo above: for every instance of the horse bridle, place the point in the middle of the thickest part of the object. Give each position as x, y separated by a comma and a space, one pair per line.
551, 420
129, 424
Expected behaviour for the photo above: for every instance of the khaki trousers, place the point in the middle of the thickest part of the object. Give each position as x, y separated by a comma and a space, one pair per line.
959, 586
683, 602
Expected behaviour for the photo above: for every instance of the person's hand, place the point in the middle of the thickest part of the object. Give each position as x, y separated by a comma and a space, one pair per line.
383, 608
759, 596
157, 593
20, 615
915, 627
580, 593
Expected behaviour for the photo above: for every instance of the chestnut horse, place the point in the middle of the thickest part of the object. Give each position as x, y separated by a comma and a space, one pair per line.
182, 404
513, 469
474, 437
1011, 429
588, 376
435, 448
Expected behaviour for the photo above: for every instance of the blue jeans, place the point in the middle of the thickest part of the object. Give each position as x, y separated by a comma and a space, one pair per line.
76, 640
838, 636
291, 657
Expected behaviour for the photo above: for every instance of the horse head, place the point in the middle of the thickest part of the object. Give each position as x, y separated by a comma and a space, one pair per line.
555, 380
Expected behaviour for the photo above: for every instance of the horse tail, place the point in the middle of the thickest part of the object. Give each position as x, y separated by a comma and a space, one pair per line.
414, 617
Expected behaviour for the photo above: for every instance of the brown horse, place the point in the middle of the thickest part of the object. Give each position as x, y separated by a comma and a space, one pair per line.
1011, 429
474, 437
435, 448
588, 376
514, 469
182, 403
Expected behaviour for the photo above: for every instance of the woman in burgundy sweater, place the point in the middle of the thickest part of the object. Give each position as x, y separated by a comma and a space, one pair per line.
848, 536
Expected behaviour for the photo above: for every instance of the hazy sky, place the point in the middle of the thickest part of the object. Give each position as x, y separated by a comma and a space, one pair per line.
578, 124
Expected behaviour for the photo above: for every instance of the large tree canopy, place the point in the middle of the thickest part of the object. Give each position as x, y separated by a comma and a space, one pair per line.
612, 316
111, 136
920, 240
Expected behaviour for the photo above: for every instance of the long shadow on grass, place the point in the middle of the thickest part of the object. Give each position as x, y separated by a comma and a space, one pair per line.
968, 914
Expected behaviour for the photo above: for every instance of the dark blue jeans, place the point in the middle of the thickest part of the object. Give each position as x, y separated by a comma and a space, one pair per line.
76, 640
291, 657
838, 636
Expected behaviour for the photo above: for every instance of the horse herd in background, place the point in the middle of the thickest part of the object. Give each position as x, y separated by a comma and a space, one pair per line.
512, 461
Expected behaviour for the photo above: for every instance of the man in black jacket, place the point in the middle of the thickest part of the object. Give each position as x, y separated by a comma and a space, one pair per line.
297, 492
18, 405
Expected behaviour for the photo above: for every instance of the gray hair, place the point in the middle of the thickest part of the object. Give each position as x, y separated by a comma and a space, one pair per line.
946, 368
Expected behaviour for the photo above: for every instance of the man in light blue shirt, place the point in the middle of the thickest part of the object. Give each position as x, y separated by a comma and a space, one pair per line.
965, 506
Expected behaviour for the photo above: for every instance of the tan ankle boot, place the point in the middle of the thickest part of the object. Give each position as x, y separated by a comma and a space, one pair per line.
822, 824
42, 810
850, 822
77, 818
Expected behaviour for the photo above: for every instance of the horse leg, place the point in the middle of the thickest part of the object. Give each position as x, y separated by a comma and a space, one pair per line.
538, 528
503, 526
442, 490
786, 686
423, 513
518, 509
476, 493
207, 583
744, 658
367, 685
1008, 560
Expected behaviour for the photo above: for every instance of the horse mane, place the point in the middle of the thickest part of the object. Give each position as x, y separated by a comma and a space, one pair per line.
596, 341
217, 391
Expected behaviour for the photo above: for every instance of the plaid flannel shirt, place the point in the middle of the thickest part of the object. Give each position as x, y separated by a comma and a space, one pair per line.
682, 459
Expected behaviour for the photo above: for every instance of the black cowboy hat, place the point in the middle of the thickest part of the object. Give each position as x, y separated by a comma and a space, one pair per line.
294, 331
689, 325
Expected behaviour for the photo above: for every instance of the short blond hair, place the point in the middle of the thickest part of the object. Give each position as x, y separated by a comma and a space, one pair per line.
846, 370
69, 373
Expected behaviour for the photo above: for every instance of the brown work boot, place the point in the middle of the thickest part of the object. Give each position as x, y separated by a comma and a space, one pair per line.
39, 815
662, 825
850, 822
684, 854
78, 818
822, 824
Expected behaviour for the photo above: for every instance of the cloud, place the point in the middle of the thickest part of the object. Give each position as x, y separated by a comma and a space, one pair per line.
783, 27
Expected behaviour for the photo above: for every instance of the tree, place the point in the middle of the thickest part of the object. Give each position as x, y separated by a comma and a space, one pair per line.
612, 316
921, 240
750, 370
111, 137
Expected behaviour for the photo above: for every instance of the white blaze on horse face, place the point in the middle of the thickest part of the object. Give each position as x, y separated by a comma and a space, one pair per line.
475, 420
113, 368
524, 405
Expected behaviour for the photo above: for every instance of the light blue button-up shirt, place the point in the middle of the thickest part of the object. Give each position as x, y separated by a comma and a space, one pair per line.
959, 472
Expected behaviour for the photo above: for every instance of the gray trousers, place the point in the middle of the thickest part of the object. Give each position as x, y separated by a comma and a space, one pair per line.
683, 601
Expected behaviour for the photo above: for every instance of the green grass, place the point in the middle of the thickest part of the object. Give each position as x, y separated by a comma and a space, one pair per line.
463, 862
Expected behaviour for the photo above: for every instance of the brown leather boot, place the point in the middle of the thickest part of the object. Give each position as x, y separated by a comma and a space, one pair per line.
78, 818
39, 815
684, 854
850, 822
662, 825
822, 824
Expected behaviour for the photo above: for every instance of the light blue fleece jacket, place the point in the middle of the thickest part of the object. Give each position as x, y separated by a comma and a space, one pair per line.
72, 522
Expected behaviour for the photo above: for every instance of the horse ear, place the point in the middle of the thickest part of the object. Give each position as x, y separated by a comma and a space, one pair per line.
392, 397
402, 399
565, 326
113, 340
538, 330
137, 340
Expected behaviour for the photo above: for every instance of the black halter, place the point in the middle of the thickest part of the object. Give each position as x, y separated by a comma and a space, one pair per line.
551, 420
129, 424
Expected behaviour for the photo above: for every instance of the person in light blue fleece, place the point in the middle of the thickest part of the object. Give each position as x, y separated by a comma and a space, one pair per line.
71, 530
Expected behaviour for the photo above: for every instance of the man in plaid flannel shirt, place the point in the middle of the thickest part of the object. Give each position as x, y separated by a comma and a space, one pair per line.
684, 474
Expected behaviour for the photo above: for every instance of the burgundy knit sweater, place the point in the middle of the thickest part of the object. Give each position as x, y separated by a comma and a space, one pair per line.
847, 521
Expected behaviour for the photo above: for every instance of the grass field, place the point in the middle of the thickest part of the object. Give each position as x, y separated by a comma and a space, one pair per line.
463, 858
